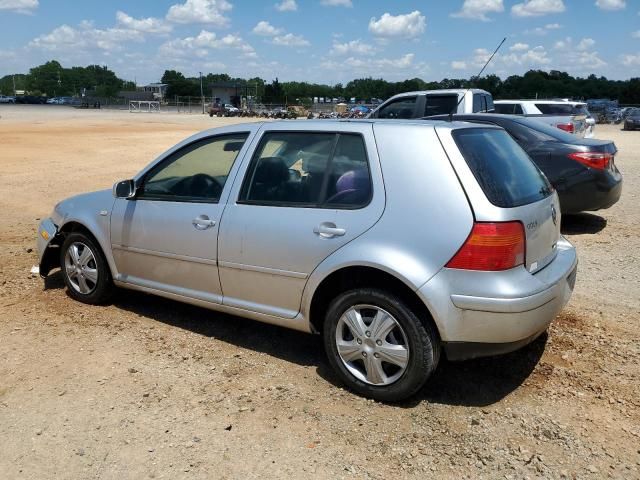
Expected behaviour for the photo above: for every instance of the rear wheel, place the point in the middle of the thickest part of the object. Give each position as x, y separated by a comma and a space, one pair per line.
85, 270
378, 346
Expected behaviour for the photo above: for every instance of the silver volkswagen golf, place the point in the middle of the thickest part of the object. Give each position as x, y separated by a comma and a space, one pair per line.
394, 240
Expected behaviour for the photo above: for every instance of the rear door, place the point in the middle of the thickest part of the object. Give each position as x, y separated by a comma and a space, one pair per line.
304, 195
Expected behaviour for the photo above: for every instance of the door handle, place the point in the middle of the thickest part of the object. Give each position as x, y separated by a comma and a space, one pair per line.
329, 230
203, 222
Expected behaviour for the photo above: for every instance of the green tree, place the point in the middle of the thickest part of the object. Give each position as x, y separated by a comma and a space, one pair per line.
179, 85
46, 78
7, 82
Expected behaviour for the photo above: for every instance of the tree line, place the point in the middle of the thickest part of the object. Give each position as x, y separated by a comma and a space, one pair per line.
54, 80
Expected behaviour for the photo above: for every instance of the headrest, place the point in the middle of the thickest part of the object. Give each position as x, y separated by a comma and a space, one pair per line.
271, 170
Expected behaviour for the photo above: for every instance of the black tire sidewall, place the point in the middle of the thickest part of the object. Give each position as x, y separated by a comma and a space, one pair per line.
424, 348
104, 286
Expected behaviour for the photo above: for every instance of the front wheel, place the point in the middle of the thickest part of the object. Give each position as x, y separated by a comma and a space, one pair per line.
85, 270
378, 346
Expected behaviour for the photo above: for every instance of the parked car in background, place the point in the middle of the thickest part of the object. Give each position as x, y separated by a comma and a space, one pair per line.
632, 120
434, 102
556, 113
31, 99
7, 99
583, 171
230, 108
582, 109
216, 109
312, 226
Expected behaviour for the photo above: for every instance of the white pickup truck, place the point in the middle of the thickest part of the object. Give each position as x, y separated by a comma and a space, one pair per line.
558, 113
425, 103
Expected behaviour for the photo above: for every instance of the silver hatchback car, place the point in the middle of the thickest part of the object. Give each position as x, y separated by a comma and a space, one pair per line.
394, 240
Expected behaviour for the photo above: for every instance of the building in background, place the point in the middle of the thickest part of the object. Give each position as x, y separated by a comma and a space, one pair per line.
158, 90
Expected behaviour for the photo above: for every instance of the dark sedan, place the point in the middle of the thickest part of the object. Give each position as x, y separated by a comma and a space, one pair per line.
582, 170
632, 120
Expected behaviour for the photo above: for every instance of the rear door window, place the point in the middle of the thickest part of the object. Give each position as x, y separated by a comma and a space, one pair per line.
441, 104
400, 108
506, 108
313, 170
504, 171
489, 106
477, 102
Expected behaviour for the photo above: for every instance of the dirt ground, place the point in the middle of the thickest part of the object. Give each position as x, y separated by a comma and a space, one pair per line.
150, 388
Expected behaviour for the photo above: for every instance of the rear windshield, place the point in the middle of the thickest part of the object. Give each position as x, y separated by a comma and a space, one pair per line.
556, 108
581, 109
551, 132
504, 171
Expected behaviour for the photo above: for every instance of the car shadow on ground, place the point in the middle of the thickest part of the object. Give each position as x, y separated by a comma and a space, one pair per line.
478, 382
582, 223
483, 381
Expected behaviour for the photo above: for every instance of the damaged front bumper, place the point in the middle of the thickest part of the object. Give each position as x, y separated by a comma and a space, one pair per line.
47, 246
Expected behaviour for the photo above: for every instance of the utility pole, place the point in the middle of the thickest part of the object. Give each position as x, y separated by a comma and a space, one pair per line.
201, 94
13, 77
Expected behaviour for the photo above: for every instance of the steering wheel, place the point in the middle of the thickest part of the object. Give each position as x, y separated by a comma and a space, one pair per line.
199, 185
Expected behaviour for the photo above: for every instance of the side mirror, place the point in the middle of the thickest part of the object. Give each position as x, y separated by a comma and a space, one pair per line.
124, 189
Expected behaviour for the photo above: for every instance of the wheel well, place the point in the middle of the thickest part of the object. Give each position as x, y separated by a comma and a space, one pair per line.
73, 227
349, 278
50, 259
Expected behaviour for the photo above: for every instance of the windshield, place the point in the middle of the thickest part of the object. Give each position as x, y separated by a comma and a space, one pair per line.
504, 171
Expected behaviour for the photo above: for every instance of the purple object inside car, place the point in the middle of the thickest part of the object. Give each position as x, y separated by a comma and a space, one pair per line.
351, 185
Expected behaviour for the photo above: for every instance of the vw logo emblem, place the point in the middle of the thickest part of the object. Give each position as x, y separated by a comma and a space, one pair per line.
554, 215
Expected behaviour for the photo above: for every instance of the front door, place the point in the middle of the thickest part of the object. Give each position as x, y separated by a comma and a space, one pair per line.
304, 195
166, 237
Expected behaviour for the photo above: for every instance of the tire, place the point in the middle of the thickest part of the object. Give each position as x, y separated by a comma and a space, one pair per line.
85, 269
410, 341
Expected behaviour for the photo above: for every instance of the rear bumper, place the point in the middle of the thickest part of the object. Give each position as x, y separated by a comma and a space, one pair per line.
589, 191
486, 313
457, 351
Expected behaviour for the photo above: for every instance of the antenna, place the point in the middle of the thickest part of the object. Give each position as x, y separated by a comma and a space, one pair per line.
473, 79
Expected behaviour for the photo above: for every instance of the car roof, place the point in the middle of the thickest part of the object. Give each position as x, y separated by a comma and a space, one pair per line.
333, 124
439, 91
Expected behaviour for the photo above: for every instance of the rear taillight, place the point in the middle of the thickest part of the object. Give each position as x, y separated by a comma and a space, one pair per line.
599, 161
491, 247
567, 127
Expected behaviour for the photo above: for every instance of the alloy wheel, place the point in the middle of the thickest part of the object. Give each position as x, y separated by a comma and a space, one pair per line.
81, 268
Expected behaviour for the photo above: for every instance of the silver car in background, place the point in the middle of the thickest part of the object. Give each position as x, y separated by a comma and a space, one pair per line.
392, 239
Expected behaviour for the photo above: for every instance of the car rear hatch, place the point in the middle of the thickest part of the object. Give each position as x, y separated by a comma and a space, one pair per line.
505, 186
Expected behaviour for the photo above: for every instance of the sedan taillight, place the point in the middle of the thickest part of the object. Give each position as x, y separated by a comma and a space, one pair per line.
567, 127
599, 161
491, 247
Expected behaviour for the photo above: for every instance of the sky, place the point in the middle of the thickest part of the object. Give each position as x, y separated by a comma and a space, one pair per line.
323, 41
